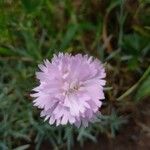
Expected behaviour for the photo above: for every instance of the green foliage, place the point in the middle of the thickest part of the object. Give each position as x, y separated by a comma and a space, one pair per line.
144, 88
23, 147
135, 49
112, 123
31, 5
69, 137
32, 30
84, 134
71, 30
144, 1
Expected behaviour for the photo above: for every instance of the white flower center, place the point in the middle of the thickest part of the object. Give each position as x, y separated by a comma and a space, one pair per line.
71, 88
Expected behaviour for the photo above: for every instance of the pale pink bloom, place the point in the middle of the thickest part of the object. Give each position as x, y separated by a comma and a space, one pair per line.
70, 90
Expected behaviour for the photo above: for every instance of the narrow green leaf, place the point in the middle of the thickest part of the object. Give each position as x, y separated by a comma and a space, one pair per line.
23, 147
143, 90
31, 5
5, 51
72, 29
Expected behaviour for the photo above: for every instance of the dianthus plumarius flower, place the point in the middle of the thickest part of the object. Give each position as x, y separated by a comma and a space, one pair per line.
70, 90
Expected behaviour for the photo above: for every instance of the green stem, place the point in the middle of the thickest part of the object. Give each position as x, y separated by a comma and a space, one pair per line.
130, 90
121, 22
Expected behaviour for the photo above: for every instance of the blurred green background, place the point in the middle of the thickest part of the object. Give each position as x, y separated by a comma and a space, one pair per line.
115, 31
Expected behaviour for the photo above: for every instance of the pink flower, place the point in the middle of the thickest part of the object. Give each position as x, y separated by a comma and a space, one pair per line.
70, 90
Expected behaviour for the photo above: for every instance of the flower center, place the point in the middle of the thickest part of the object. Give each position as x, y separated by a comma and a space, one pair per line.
73, 89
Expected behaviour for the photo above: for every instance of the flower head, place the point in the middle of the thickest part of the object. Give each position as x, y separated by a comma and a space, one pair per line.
70, 90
